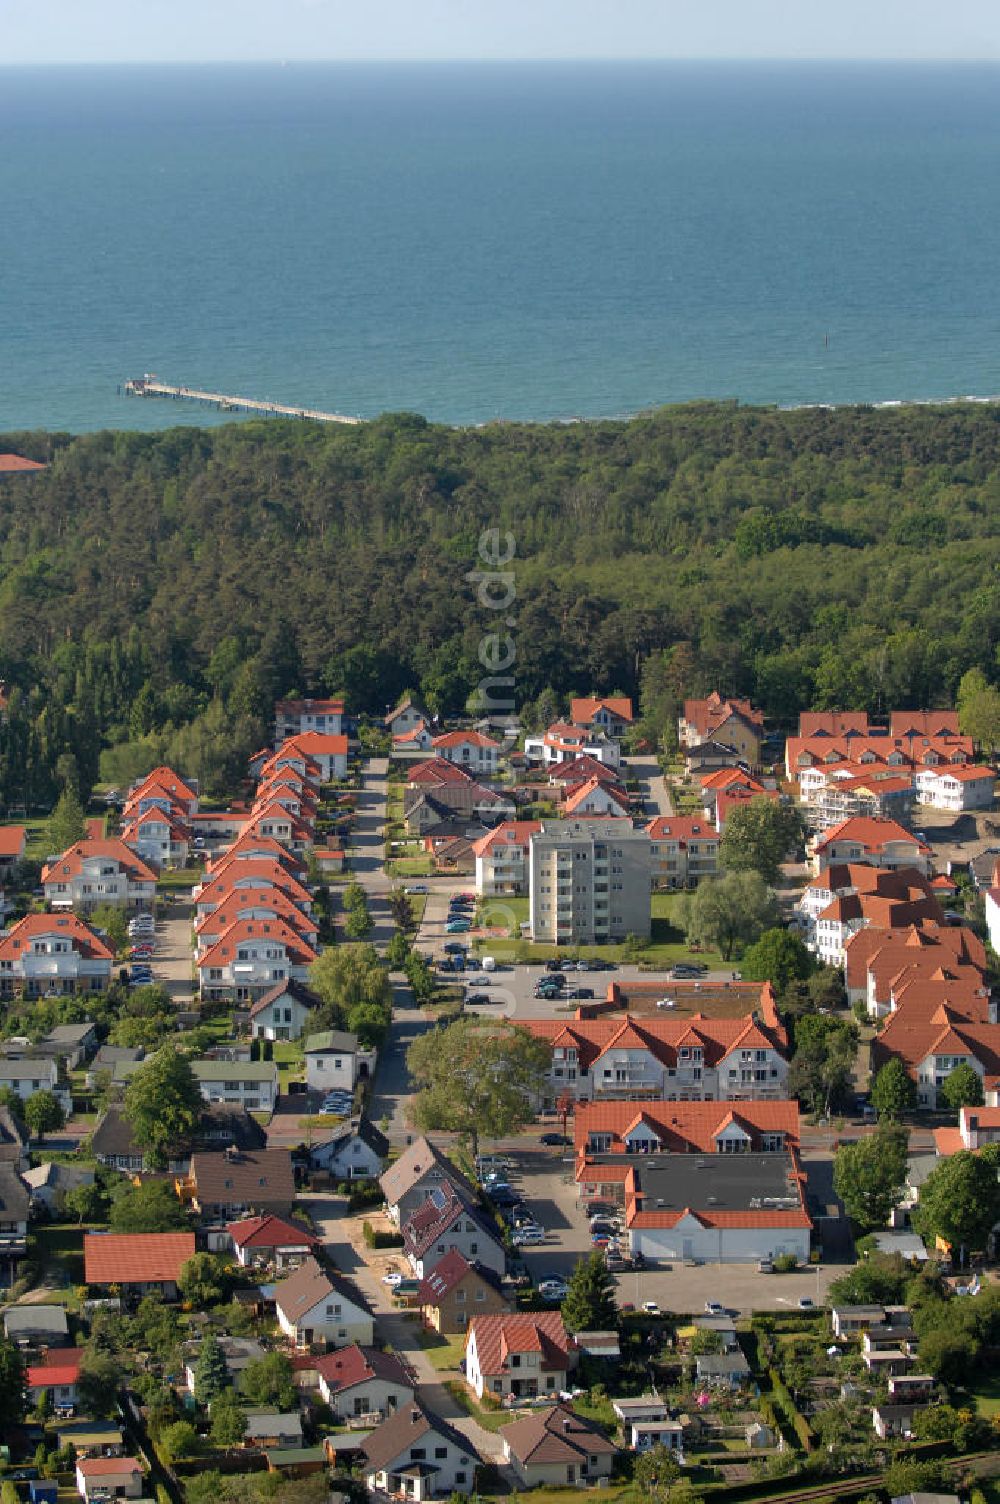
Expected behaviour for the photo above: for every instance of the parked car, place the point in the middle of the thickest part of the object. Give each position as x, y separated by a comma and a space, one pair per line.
503, 1195
455, 948
553, 1140
584, 992
666, 1002
526, 1237
416, 888
805, 1303
714, 1308
457, 926
651, 1308
554, 965
553, 1289
477, 999
392, 1279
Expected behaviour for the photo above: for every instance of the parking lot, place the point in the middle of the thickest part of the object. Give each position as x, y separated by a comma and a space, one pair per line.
544, 1177
511, 989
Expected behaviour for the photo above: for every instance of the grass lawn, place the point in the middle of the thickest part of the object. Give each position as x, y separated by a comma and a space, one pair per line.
179, 878
410, 866
986, 1396
444, 1352
508, 912
290, 1061
490, 1420
666, 946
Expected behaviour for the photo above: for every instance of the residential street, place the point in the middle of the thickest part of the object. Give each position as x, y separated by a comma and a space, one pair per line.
394, 1330
365, 852
652, 785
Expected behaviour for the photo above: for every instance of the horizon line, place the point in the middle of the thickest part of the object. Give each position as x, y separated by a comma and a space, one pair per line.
907, 60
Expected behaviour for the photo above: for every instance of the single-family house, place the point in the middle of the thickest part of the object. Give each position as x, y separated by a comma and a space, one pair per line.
327, 750
238, 1352
595, 797
727, 719
92, 1438
13, 840
415, 1455
420, 1169
448, 1221
555, 1447
317, 1307
292, 717
354, 1150
471, 750
141, 1263
611, 714
57, 1374
14, 1140
405, 717
455, 1289
363, 1384
48, 1183
252, 1084
522, 1355
52, 955
271, 1240
334, 1060
240, 1182
220, 1127
14, 1207
101, 1478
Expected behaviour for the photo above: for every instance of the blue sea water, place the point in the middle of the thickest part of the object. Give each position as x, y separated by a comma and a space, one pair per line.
473, 241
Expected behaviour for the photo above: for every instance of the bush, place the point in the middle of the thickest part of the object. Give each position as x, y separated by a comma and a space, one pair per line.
375, 1239
360, 1195
785, 1263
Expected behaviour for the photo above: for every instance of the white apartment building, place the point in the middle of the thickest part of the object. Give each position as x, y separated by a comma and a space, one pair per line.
95, 872
503, 859
589, 881
956, 788
53, 954
252, 1084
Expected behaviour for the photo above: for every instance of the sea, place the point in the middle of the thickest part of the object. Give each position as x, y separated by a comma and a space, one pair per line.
483, 241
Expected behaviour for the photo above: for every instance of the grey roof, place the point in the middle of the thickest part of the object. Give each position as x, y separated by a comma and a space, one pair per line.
110, 1054
13, 1139
418, 1161
220, 1123
331, 1041
718, 1182
27, 1068
32, 1320
361, 1128
57, 1177
291, 988
235, 1070
309, 1285
717, 1365
14, 1198
70, 1034
273, 1423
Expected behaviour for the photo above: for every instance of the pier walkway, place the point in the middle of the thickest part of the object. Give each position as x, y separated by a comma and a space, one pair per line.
151, 386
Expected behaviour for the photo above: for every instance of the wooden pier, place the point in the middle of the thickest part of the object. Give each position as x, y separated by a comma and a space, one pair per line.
152, 386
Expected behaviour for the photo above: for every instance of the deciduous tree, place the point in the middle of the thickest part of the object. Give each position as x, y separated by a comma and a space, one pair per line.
959, 1202
476, 1078
43, 1113
963, 1087
150, 1207
869, 1175
893, 1092
728, 912
759, 835
778, 957
163, 1104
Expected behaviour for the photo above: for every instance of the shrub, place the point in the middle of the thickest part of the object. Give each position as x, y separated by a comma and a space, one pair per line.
785, 1263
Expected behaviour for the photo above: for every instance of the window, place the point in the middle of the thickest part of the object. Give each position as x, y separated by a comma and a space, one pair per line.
440, 1453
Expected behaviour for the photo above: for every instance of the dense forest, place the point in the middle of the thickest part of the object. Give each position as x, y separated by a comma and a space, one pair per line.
158, 590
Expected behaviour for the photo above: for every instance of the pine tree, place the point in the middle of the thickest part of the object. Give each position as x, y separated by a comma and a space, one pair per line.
590, 1301
67, 822
211, 1376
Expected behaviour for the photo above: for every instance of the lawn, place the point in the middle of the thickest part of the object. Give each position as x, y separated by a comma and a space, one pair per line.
178, 879
290, 1061
986, 1395
666, 945
443, 1352
490, 1420
410, 866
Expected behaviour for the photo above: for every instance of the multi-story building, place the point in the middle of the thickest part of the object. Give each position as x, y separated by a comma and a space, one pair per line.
53, 954
92, 873
881, 843
251, 957
251, 1084
502, 859
291, 717
847, 897
956, 788
612, 715
563, 742
729, 720
589, 881
683, 849
468, 749
666, 1059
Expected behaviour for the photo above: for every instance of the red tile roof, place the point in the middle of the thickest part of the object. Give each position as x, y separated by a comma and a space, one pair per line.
242, 931
270, 1232
687, 830
465, 738
498, 1336
309, 707
16, 464
62, 927
582, 711
509, 833
682, 1126
12, 840
263, 896
135, 1258
70, 864
708, 715
579, 769
353, 1365
435, 772
97, 1467
717, 1037
594, 786
871, 833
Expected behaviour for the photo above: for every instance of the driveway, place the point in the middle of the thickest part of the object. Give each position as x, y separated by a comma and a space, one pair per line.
342, 1240
365, 852
173, 955
652, 786
392, 1087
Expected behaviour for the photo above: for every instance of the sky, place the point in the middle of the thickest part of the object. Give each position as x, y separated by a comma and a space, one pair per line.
82, 31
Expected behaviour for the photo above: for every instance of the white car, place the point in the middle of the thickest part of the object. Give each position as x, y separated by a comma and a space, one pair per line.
553, 1289
528, 1235
651, 1308
666, 1002
392, 1279
713, 1308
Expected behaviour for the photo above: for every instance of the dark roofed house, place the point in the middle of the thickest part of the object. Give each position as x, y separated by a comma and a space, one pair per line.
220, 1126
238, 1182
449, 1221
548, 1448
455, 1290
316, 1307
282, 1012
418, 1171
13, 1140
14, 1204
418, 1455
354, 1150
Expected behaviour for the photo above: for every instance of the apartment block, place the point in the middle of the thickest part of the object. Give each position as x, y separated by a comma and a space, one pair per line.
589, 881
